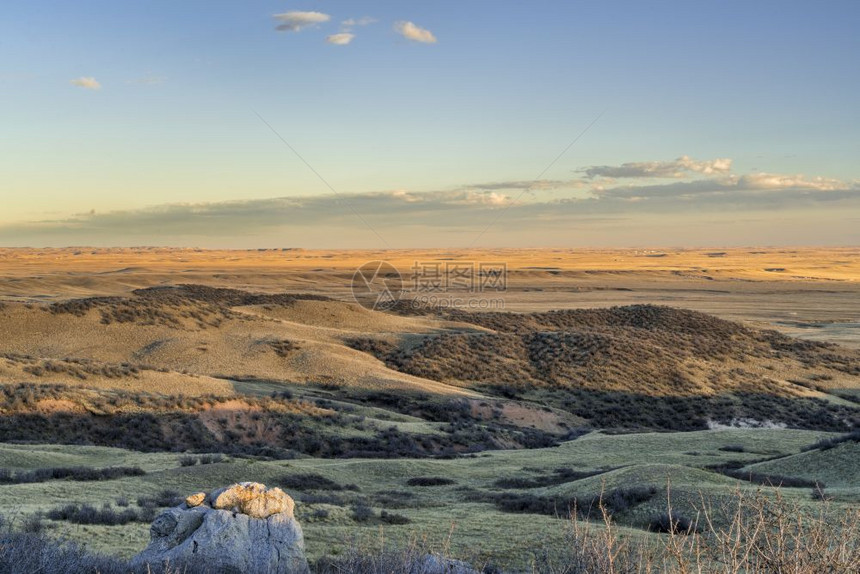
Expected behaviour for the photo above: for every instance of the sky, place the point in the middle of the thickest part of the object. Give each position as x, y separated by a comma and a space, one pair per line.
393, 124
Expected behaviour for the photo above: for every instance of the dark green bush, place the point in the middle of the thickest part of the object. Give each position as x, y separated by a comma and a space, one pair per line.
391, 518
69, 473
429, 481
87, 514
672, 523
361, 512
311, 481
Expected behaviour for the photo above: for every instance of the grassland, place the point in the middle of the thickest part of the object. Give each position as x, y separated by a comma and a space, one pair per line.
458, 511
472, 432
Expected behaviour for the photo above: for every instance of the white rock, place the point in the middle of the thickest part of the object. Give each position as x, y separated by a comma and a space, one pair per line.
230, 541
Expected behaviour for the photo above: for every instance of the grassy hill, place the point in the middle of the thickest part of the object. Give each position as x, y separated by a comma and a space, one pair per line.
468, 505
415, 424
426, 382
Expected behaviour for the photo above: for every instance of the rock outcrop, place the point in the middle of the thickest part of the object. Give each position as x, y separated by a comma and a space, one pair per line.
242, 529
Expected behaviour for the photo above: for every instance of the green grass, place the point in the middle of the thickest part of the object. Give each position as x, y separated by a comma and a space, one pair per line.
28, 457
835, 467
440, 515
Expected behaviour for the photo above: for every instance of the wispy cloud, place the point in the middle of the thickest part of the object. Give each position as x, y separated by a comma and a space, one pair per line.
466, 207
452, 216
529, 185
353, 22
86, 82
410, 31
677, 168
800, 181
248, 217
340, 39
754, 188
148, 80
295, 21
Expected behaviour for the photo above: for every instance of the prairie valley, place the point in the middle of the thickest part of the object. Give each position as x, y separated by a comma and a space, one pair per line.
588, 373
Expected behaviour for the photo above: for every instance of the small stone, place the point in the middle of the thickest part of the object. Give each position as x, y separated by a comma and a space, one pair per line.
195, 499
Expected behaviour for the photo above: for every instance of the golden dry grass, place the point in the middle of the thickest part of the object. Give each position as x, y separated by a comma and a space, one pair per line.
787, 287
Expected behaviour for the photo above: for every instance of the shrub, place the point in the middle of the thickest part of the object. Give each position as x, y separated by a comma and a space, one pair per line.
395, 499
163, 499
828, 443
87, 514
321, 499
212, 458
561, 476
320, 514
33, 524
187, 461
731, 469
312, 481
361, 512
621, 499
672, 523
819, 495
391, 518
70, 473
610, 502
429, 481
283, 348
25, 553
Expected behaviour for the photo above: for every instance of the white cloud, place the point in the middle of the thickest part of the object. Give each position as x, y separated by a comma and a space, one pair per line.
295, 20
661, 169
777, 181
415, 33
352, 22
340, 39
86, 82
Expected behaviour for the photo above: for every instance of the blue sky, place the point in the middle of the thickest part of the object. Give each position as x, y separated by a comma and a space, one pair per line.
139, 123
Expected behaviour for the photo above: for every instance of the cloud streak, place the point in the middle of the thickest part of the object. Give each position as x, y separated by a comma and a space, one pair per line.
295, 21
247, 217
774, 187
707, 203
148, 80
353, 22
86, 82
415, 33
459, 210
681, 167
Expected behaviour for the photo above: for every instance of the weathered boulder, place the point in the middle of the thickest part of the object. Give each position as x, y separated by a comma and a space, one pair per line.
252, 499
242, 529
